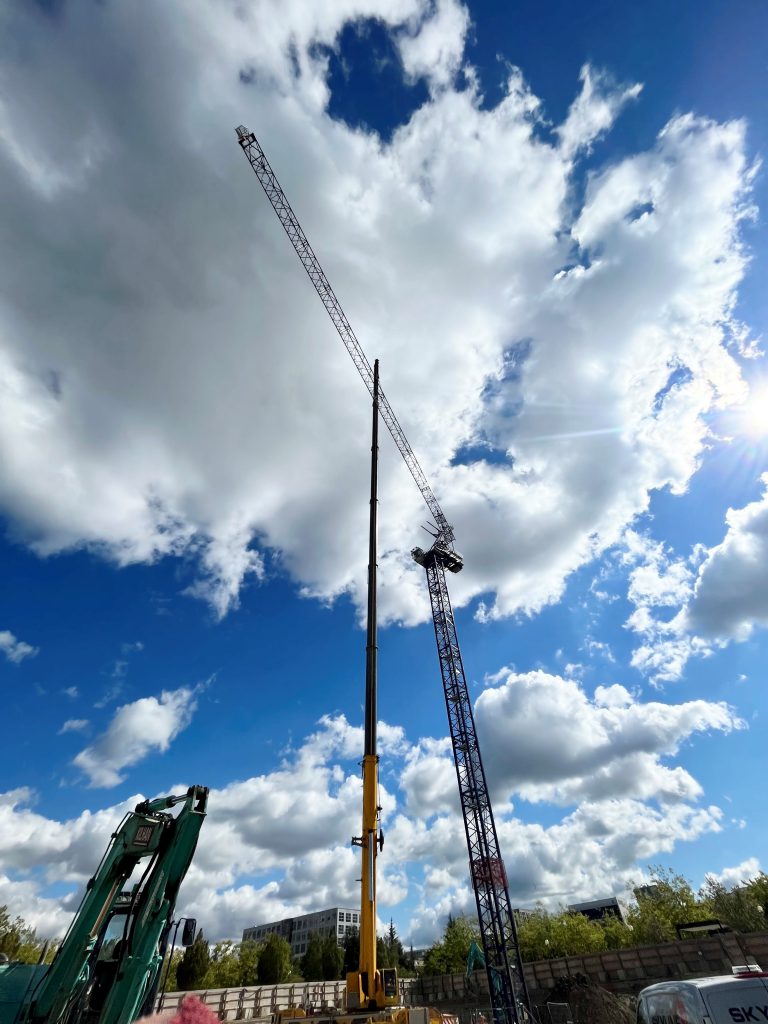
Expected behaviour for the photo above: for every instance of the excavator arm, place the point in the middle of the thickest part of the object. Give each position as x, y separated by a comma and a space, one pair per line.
168, 843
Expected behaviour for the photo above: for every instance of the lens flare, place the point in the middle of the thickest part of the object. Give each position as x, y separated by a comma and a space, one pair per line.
754, 413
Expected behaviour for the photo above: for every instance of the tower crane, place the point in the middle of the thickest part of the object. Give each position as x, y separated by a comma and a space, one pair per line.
498, 933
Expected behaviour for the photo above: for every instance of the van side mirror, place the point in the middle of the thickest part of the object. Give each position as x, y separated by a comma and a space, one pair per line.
188, 931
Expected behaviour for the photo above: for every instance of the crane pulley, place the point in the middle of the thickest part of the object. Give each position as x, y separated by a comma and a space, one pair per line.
509, 993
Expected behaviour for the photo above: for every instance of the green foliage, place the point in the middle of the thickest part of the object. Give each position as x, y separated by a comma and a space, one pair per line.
324, 959
389, 950
312, 961
544, 935
449, 956
172, 984
668, 900
351, 950
758, 889
617, 934
332, 958
248, 956
233, 965
193, 966
275, 962
741, 908
20, 942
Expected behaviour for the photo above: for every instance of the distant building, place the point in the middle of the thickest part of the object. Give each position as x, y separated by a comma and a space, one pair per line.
523, 914
611, 906
651, 891
297, 930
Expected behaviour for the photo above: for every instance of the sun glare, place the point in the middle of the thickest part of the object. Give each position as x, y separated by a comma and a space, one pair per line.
755, 413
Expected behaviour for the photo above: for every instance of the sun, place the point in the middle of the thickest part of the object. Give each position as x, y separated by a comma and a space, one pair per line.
754, 412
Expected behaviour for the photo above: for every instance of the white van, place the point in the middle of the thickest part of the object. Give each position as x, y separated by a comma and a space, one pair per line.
739, 999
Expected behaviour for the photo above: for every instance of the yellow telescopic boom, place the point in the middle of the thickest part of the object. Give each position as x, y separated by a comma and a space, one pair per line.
370, 988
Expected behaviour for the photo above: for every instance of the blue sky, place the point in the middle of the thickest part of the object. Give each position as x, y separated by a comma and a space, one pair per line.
548, 225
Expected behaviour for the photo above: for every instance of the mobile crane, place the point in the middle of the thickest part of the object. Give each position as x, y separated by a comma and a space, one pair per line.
503, 962
369, 988
107, 968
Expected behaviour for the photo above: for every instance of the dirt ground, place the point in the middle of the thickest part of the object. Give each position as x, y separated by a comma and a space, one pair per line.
590, 1004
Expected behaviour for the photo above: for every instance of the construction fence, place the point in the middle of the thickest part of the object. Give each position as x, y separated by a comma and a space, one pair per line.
622, 971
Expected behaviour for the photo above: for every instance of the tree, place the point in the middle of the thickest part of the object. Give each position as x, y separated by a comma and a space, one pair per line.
618, 935
542, 935
224, 968
332, 958
172, 984
312, 961
275, 961
668, 900
351, 950
449, 956
19, 941
738, 908
193, 966
233, 965
248, 958
389, 952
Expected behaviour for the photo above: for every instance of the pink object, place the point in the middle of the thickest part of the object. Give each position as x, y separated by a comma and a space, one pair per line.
194, 1011
191, 1011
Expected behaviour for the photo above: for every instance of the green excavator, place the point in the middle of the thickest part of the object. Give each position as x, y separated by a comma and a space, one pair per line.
107, 968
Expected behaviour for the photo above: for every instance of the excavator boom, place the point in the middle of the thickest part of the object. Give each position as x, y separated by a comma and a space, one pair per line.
82, 986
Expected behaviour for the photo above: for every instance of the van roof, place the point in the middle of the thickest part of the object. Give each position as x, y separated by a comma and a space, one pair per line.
719, 980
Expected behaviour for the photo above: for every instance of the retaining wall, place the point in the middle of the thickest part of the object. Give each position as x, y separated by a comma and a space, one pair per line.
624, 971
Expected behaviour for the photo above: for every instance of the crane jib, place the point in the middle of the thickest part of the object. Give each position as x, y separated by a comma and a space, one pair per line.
300, 242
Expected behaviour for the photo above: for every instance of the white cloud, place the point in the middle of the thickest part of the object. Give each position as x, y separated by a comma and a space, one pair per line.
136, 730
657, 582
278, 843
718, 594
15, 650
731, 592
595, 110
433, 46
170, 385
544, 738
738, 874
74, 725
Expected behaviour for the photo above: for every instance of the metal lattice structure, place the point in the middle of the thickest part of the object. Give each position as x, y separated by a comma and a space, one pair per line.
503, 963
304, 251
504, 967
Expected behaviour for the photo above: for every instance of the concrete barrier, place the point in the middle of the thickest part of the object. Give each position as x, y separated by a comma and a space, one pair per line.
623, 971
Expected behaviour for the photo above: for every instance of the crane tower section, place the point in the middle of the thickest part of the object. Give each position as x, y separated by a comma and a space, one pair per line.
498, 933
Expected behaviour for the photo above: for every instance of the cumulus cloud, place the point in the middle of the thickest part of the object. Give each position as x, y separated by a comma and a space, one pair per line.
432, 47
544, 738
136, 730
278, 843
730, 595
169, 384
595, 110
15, 650
687, 608
739, 873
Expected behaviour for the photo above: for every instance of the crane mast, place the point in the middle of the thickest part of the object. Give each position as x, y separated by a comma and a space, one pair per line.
504, 966
370, 988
